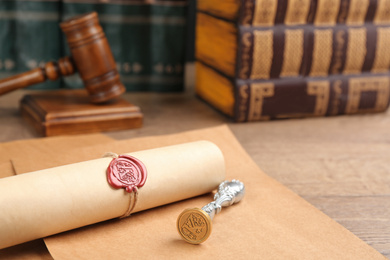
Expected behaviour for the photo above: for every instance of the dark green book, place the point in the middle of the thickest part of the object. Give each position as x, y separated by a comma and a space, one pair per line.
147, 38
29, 36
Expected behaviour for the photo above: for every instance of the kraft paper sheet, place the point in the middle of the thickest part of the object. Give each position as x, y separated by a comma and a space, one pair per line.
49, 147
271, 222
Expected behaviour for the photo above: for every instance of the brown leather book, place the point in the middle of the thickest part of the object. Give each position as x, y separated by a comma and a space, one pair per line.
287, 70
253, 100
294, 12
248, 52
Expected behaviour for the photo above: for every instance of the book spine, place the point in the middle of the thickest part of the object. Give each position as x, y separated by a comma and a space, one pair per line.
268, 13
307, 97
313, 51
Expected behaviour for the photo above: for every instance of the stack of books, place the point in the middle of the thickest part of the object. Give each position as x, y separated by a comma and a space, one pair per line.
270, 59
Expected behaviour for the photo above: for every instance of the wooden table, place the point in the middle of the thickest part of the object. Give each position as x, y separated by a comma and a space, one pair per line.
341, 164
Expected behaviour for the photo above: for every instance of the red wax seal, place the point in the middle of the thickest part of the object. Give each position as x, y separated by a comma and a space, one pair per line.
126, 172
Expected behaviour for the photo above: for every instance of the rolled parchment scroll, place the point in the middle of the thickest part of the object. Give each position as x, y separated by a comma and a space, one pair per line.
46, 202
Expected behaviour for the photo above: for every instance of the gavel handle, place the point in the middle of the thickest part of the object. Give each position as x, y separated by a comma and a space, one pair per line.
51, 70
22, 80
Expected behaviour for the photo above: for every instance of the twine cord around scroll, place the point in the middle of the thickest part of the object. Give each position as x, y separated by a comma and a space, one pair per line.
125, 171
132, 203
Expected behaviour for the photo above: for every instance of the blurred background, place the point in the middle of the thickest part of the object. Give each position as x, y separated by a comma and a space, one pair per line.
150, 40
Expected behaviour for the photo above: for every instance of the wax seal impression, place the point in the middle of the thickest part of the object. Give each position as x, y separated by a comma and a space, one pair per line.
127, 172
194, 225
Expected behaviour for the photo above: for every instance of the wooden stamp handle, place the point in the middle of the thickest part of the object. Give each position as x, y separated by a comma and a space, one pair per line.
51, 70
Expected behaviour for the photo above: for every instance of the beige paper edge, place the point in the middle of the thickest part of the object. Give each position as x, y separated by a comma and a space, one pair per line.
51, 147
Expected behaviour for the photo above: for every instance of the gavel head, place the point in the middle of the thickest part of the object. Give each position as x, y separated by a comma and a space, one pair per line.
92, 57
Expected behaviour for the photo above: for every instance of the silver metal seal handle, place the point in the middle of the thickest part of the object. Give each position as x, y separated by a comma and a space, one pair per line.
229, 192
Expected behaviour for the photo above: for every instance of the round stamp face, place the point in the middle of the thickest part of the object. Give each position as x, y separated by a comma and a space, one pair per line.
194, 225
126, 172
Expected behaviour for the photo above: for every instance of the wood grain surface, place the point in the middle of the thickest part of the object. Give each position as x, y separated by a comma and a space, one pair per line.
339, 164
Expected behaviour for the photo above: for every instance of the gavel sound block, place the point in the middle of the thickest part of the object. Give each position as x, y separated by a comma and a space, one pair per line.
91, 57
69, 111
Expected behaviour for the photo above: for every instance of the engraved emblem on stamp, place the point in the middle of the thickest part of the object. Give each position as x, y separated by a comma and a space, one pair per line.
126, 172
194, 225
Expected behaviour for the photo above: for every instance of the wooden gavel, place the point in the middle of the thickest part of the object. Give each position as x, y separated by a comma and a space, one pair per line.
91, 57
